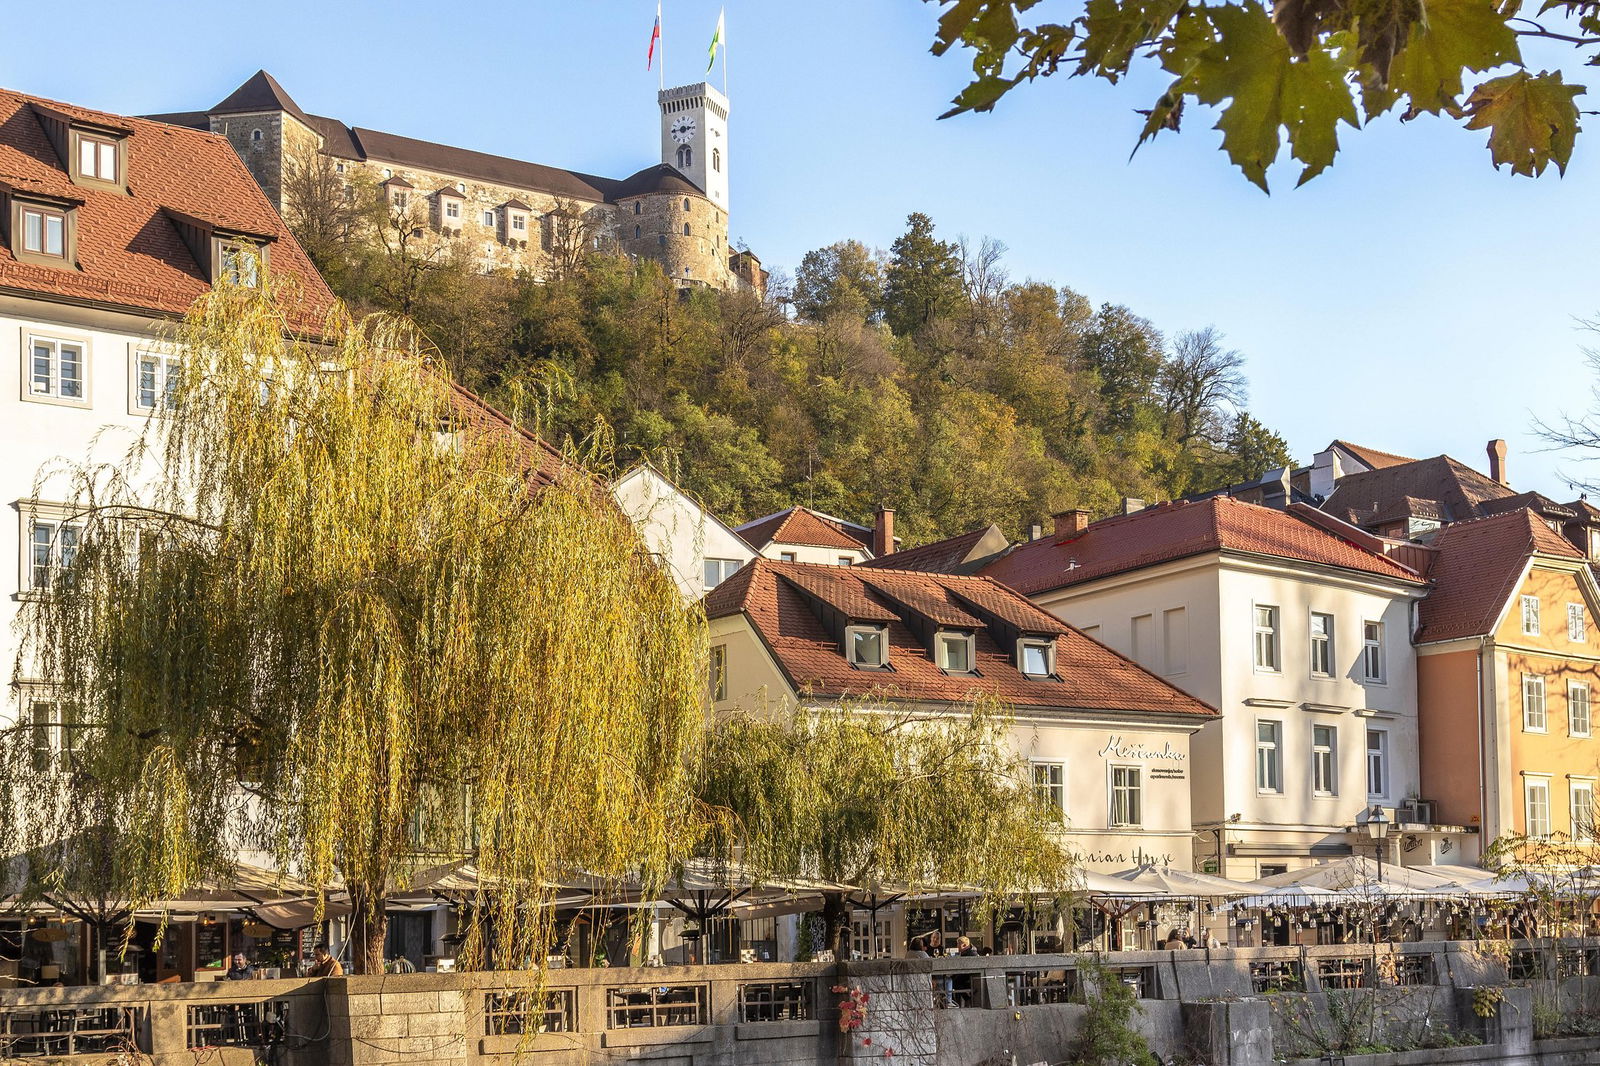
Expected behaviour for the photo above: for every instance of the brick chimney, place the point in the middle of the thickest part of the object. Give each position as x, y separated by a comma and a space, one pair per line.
883, 532
1069, 522
1497, 462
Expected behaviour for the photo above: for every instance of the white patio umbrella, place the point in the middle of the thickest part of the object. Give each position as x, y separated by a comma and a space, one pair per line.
1284, 896
1184, 882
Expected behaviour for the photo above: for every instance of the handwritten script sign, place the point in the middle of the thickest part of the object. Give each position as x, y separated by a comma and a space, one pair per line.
1117, 748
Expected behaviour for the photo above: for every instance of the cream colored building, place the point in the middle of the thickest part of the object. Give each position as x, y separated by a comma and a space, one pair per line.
802, 535
1107, 741
694, 546
1297, 628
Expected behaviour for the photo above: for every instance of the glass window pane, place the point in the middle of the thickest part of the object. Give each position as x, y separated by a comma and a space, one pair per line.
32, 231
54, 235
71, 357
86, 157
108, 162
43, 357
147, 381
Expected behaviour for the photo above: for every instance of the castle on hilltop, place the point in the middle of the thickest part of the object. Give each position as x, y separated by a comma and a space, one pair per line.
508, 214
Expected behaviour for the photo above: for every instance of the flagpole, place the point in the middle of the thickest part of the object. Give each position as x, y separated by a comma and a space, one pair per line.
661, 72
724, 56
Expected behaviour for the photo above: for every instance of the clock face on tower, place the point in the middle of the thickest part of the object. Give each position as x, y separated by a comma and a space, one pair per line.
682, 130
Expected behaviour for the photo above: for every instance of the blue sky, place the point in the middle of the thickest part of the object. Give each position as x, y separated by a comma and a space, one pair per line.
1411, 298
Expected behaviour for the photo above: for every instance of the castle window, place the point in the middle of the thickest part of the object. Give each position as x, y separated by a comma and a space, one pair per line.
461, 186
400, 199
638, 231
685, 157
662, 240
488, 218
686, 229
638, 207
452, 209
255, 135
686, 203
519, 223
388, 173
338, 168
716, 160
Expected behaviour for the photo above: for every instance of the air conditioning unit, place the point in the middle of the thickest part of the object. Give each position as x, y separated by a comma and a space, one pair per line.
1415, 812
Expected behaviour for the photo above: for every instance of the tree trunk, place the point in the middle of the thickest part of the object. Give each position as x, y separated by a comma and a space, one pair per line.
369, 929
836, 920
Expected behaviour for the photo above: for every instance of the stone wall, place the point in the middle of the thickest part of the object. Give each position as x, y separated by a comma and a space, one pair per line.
263, 156
652, 227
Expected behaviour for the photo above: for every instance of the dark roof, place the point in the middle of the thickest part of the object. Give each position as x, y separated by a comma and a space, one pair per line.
801, 525
786, 604
130, 253
498, 170
1536, 501
399, 182
660, 178
1478, 568
261, 93
964, 553
1172, 531
195, 120
518, 204
1372, 497
337, 138
449, 190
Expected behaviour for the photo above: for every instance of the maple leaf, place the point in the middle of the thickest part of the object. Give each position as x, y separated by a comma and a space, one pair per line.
1268, 89
1531, 118
1114, 29
1452, 36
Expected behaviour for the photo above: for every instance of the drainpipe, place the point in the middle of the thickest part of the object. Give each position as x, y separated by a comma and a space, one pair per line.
1483, 774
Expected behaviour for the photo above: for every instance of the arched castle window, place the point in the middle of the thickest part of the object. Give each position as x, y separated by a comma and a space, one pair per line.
638, 206
255, 135
686, 229
685, 157
662, 240
638, 231
686, 203
716, 160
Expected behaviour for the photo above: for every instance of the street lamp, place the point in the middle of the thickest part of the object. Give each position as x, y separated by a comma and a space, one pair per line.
1378, 829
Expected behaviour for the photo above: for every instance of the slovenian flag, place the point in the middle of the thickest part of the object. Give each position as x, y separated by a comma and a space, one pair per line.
655, 35
716, 40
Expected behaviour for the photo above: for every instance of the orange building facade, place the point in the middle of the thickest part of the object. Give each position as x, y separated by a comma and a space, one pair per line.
1508, 667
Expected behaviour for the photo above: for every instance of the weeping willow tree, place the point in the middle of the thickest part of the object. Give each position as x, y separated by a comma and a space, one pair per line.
868, 796
328, 606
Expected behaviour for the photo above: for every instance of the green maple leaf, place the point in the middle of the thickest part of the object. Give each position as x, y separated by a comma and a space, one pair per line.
1268, 89
1114, 29
1452, 36
1531, 118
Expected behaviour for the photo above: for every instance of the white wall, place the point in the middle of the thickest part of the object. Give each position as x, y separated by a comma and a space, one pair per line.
810, 553
676, 529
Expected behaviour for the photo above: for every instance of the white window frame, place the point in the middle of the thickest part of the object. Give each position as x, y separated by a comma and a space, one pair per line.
788, 557
1534, 698
1325, 760
54, 342
1577, 624
167, 365
1136, 790
34, 515
1530, 784
846, 560
519, 222
1326, 642
1274, 748
62, 734
1586, 703
1049, 648
941, 643
723, 567
1530, 616
1052, 794
1271, 633
490, 220
1373, 660
882, 632
1381, 751
719, 672
452, 208
1580, 808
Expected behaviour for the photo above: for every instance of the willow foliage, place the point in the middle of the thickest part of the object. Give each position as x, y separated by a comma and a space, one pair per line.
316, 609
876, 797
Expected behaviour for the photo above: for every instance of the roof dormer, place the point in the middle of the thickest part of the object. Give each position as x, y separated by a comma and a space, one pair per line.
41, 228
225, 253
95, 153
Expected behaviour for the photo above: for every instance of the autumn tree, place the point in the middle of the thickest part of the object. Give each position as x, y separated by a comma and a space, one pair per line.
1296, 70
332, 214
325, 607
922, 281
882, 797
843, 278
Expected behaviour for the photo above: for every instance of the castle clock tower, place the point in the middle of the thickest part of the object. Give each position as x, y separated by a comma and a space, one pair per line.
694, 137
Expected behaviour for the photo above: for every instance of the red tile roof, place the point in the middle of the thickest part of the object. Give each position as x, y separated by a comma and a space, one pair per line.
801, 525
953, 555
1373, 457
1452, 491
785, 602
544, 463
1479, 568
129, 249
1172, 531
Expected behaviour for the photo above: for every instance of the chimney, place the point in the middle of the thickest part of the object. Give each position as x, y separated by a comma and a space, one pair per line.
1132, 504
1069, 522
883, 532
1497, 462
1035, 531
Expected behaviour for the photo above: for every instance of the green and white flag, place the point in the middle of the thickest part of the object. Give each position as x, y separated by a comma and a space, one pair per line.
716, 42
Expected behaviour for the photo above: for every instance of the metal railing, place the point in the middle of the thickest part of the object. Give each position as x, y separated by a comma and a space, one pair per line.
47, 1032
515, 1013
639, 1008
777, 1001
254, 1025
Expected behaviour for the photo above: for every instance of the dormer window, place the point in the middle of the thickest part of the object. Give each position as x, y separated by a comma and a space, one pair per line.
1036, 657
867, 647
44, 232
519, 223
97, 158
239, 262
954, 652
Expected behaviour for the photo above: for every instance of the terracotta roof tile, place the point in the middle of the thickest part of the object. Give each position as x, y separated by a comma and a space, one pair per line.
1172, 531
1091, 676
130, 253
1478, 568
544, 462
1452, 489
800, 525
1373, 457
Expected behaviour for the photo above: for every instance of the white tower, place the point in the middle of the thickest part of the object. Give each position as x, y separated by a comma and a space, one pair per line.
694, 137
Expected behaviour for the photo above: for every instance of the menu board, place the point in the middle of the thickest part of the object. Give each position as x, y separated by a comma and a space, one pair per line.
210, 944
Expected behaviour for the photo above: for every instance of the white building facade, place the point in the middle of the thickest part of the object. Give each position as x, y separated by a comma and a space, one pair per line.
691, 543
